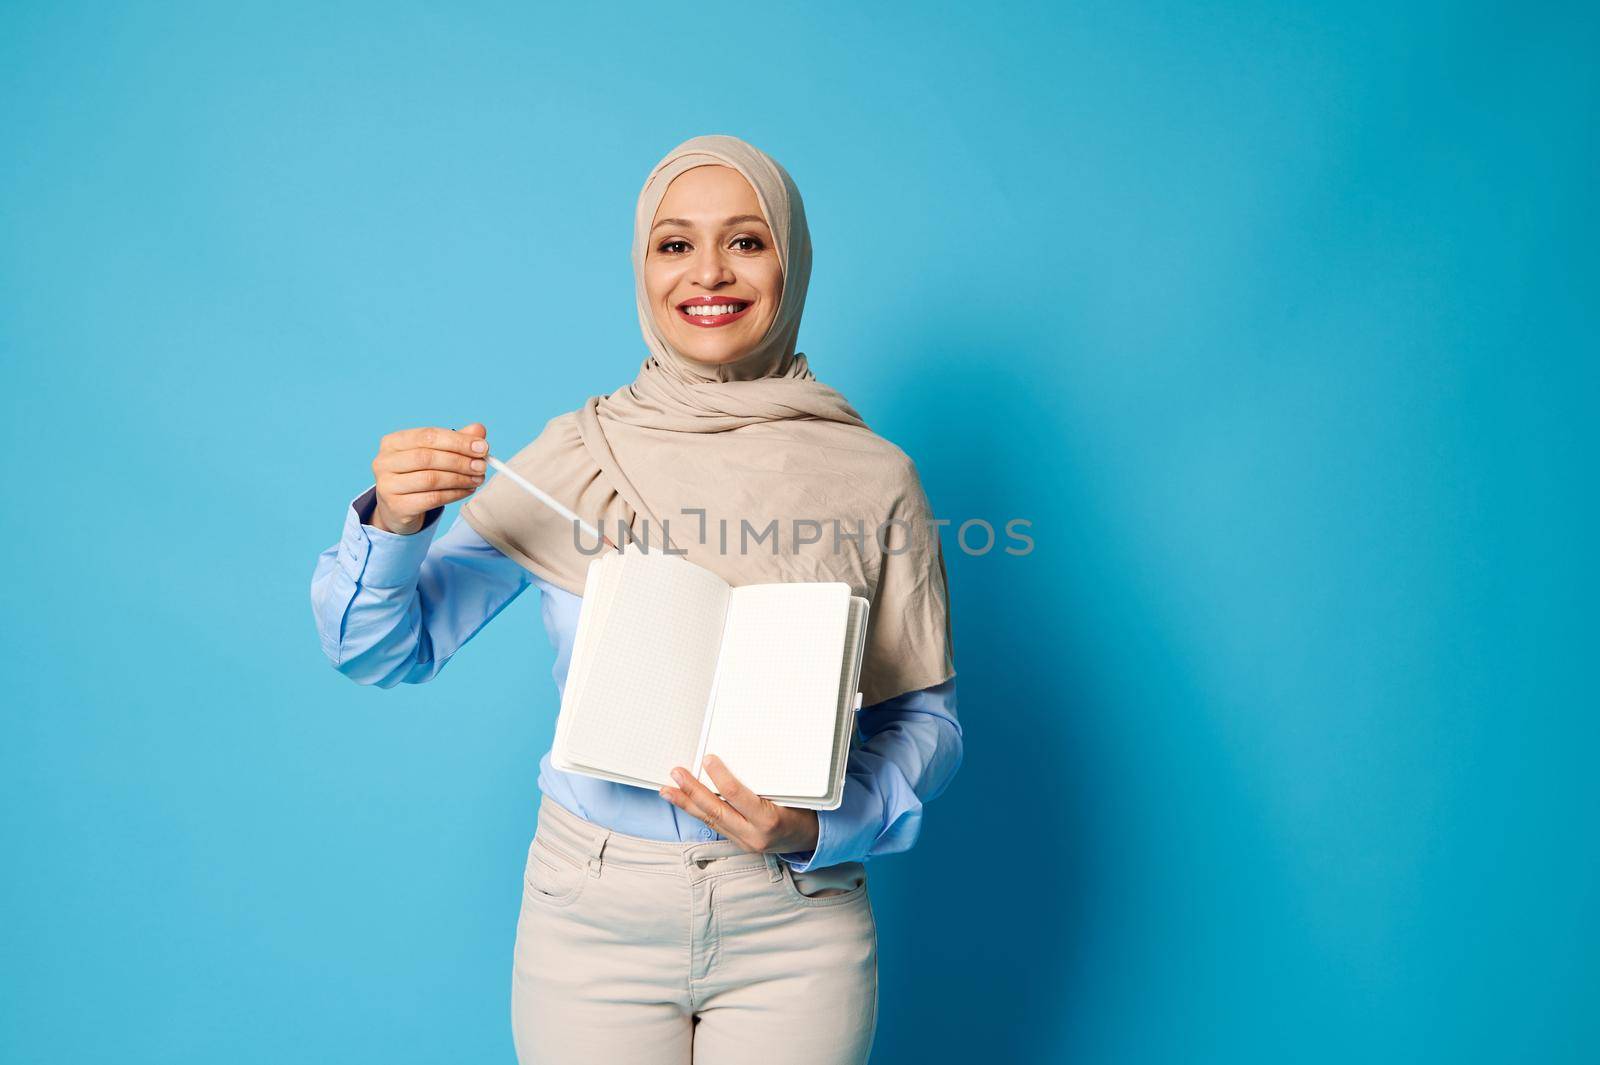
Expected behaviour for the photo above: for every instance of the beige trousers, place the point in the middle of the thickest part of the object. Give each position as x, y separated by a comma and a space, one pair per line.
646, 952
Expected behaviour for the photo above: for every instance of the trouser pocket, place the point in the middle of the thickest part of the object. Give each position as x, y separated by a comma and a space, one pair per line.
552, 876
833, 885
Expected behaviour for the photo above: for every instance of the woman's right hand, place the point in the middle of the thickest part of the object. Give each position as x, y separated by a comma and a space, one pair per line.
420, 469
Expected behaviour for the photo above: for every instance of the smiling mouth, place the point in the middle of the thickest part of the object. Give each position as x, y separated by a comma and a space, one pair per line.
710, 312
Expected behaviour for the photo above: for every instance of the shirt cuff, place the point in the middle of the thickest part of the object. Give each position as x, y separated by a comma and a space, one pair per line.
831, 834
378, 559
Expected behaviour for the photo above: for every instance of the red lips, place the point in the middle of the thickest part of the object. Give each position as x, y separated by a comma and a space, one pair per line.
711, 321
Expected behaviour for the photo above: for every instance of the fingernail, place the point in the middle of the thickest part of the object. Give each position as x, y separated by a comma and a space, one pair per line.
480, 446
477, 465
677, 775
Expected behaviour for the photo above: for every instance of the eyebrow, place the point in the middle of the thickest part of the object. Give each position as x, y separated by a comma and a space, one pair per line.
686, 224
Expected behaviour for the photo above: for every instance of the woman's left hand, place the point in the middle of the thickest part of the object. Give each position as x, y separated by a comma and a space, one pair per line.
754, 823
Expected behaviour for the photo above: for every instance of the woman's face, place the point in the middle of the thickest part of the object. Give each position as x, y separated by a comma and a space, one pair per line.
710, 249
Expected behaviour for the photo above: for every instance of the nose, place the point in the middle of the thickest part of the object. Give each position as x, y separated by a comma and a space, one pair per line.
711, 268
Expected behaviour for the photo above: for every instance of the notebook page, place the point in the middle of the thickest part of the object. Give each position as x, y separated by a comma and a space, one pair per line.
648, 670
775, 708
599, 586
844, 732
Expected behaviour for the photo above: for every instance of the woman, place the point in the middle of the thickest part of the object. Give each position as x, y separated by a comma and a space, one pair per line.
680, 925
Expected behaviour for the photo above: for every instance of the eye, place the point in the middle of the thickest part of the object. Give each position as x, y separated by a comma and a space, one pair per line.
667, 246
750, 240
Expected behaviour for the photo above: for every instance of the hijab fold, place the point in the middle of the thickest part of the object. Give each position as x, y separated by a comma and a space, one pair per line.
740, 464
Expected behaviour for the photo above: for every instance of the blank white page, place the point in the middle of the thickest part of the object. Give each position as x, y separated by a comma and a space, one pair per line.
775, 709
844, 733
648, 668
599, 587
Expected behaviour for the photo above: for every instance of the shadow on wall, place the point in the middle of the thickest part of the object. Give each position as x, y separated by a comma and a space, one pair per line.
982, 925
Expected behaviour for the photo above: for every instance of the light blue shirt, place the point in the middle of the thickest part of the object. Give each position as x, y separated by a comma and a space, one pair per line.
393, 609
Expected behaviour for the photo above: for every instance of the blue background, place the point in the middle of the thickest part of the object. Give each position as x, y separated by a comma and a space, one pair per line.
1277, 321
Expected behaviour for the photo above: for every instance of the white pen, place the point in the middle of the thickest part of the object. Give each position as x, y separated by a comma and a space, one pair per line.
550, 501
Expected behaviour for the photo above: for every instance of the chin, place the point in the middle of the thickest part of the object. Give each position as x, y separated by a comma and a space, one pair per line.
719, 358
715, 354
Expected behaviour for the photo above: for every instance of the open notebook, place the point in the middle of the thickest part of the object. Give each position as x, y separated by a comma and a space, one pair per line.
669, 662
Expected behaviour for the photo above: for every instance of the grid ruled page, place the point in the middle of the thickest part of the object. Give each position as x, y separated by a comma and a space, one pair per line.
599, 588
849, 675
647, 673
776, 707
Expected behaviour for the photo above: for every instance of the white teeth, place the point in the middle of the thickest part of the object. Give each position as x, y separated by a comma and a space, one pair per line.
724, 308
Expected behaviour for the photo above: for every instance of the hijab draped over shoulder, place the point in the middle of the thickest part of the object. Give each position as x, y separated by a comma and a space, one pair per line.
754, 469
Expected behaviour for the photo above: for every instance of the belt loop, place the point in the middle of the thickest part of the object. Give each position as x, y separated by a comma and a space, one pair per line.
596, 846
774, 867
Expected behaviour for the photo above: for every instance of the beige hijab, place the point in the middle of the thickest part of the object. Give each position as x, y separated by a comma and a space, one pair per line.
721, 453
